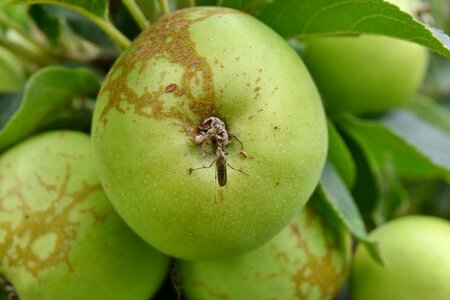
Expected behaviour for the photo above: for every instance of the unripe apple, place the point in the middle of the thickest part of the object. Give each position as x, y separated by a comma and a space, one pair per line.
416, 252
366, 74
308, 259
60, 238
191, 65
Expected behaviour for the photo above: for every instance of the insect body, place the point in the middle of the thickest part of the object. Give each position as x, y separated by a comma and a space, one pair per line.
221, 167
213, 130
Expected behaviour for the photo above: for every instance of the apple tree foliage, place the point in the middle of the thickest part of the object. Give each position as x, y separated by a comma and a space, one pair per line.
55, 53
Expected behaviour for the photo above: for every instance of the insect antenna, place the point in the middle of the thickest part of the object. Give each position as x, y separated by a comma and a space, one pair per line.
235, 137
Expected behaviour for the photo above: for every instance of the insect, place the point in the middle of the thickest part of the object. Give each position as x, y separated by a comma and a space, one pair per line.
221, 167
213, 129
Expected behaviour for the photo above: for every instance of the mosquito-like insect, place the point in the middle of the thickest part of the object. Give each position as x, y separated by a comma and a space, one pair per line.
213, 129
221, 167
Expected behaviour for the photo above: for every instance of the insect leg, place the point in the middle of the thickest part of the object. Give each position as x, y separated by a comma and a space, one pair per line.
190, 170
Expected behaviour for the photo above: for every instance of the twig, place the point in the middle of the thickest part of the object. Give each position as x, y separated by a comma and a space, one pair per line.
137, 13
38, 59
164, 5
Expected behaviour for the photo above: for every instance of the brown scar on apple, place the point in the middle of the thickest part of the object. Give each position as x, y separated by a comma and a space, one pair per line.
57, 227
162, 42
316, 265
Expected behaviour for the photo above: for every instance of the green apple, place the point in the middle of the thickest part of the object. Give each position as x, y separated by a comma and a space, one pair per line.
366, 74
416, 253
60, 237
308, 259
191, 65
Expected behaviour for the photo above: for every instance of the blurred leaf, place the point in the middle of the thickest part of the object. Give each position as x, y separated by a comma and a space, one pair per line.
412, 153
81, 25
437, 84
437, 202
340, 156
367, 188
431, 112
94, 10
338, 198
12, 72
47, 23
425, 138
440, 12
48, 94
9, 103
149, 9
98, 8
244, 5
393, 200
123, 20
18, 14
207, 2
312, 18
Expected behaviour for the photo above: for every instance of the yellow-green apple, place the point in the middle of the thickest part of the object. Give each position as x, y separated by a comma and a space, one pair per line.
417, 261
308, 259
60, 237
149, 129
366, 74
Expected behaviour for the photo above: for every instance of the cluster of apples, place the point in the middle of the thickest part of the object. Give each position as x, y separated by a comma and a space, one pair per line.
67, 199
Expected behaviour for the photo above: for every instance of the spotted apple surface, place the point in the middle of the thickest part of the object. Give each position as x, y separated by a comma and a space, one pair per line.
60, 238
190, 65
309, 259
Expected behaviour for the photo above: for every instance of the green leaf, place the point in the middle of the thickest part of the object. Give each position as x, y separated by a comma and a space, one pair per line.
340, 155
312, 18
95, 10
431, 112
337, 197
422, 136
236, 4
9, 103
403, 140
17, 14
49, 94
98, 8
12, 72
367, 188
81, 25
47, 23
207, 2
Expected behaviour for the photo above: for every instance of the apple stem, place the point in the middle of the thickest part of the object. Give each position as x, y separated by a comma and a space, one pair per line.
137, 13
176, 284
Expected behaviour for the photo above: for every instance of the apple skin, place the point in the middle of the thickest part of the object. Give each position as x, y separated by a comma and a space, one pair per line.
60, 238
308, 259
416, 253
191, 65
366, 74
